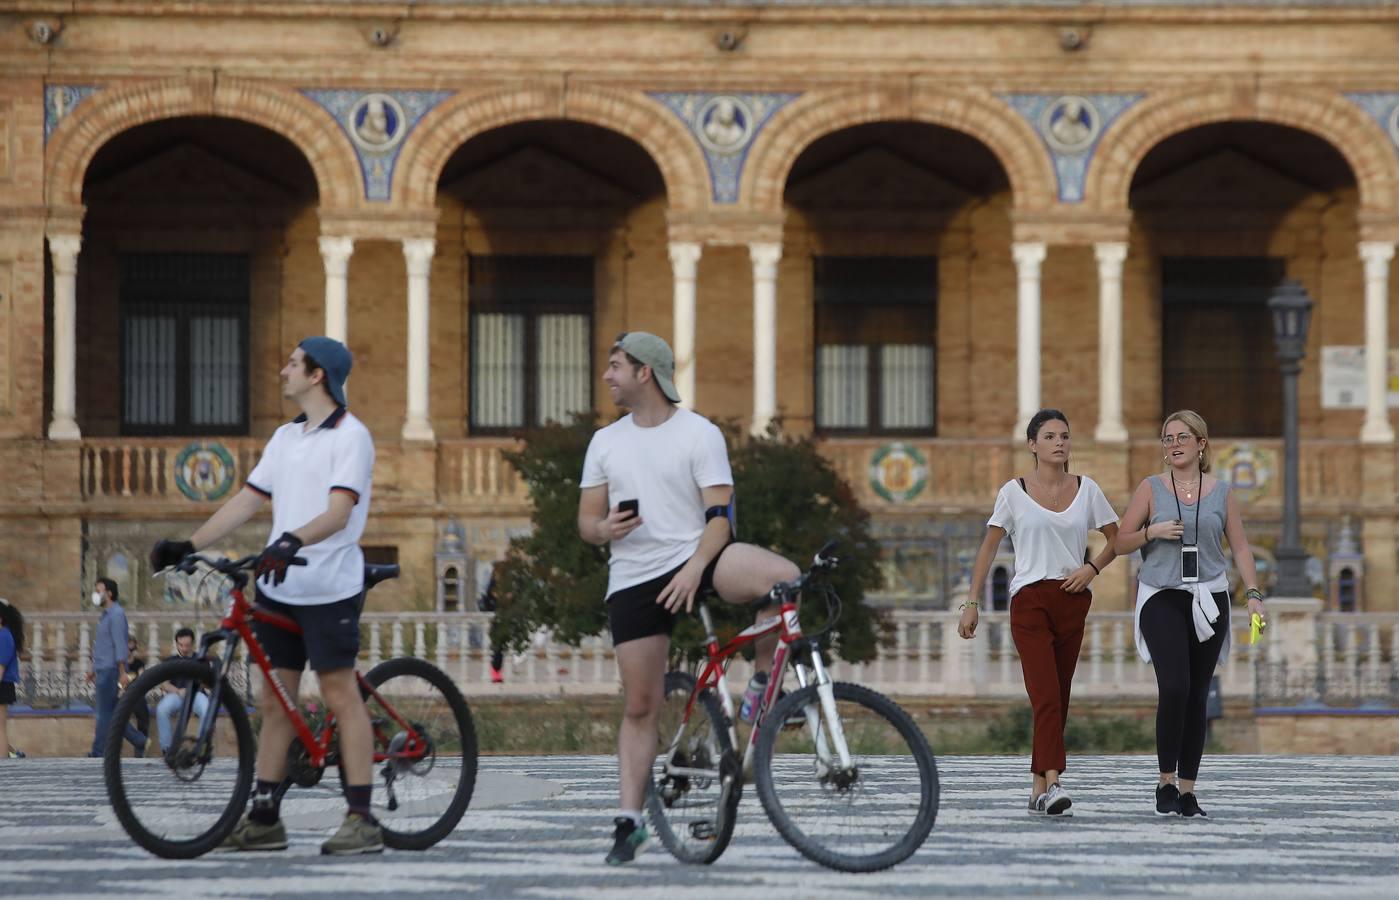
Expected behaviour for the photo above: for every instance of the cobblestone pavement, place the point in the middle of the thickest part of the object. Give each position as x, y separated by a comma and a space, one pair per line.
538, 827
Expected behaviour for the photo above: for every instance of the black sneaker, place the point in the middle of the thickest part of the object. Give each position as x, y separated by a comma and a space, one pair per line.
626, 840
1168, 800
1190, 807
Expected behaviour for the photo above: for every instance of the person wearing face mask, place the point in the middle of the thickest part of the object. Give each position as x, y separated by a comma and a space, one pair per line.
109, 651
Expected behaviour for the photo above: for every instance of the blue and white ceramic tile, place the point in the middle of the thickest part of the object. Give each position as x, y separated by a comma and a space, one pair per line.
62, 99
1383, 107
376, 122
1071, 125
725, 125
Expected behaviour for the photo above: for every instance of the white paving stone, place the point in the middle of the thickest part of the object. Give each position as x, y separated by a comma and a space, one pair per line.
1279, 828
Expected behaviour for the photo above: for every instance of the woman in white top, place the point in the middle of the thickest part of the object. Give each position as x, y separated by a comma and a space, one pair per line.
1047, 515
1178, 520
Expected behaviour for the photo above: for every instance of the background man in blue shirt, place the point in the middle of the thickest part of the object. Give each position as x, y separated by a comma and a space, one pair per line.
109, 665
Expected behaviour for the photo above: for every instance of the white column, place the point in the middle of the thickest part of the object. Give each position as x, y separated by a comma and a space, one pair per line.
1110, 258
64, 251
417, 252
1028, 257
765, 257
335, 251
684, 260
1376, 429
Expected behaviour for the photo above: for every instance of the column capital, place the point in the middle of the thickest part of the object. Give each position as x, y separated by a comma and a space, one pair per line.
765, 257
1110, 253
64, 249
684, 257
418, 253
1376, 251
1028, 253
336, 251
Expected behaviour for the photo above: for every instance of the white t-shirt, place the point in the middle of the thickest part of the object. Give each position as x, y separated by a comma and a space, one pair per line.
298, 471
1049, 545
664, 468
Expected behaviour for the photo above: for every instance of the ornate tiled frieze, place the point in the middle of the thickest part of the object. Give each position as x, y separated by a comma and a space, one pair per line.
725, 125
376, 122
1071, 125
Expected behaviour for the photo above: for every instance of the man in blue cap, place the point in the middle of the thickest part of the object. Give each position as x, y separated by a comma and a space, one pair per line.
316, 470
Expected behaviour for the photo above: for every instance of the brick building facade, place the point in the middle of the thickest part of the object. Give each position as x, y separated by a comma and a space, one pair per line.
903, 226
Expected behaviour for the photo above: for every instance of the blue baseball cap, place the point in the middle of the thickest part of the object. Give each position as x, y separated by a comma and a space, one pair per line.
335, 359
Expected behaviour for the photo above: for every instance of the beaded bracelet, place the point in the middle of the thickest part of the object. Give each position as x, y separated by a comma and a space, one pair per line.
1253, 594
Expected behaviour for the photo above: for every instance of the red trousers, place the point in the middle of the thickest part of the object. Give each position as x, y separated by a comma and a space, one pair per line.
1047, 626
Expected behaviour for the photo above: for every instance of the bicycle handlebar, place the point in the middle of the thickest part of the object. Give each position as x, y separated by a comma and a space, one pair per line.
225, 566
823, 562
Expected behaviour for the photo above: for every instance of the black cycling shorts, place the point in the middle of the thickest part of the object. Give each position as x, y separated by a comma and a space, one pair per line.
329, 637
633, 612
7, 697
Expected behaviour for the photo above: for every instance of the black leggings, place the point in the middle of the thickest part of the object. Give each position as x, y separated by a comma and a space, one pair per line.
1184, 666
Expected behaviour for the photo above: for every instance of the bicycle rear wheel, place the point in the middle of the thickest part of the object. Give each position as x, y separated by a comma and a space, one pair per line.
420, 794
869, 817
695, 784
184, 801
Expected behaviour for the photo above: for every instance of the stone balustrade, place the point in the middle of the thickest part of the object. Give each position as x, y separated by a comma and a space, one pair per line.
925, 657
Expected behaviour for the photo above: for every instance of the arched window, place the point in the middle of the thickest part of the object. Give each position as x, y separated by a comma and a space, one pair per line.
1000, 589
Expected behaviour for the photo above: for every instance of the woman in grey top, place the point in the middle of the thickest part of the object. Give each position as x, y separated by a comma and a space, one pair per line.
1178, 520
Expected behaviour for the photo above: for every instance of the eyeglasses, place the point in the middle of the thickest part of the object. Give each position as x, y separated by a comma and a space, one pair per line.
1171, 440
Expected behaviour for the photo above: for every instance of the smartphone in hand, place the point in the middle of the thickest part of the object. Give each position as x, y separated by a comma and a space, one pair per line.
632, 506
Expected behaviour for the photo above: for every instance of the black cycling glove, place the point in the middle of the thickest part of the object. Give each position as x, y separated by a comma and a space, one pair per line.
272, 565
167, 553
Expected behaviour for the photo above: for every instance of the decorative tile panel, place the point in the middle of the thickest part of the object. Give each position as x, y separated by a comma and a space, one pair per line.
1383, 107
725, 126
376, 122
1071, 125
62, 99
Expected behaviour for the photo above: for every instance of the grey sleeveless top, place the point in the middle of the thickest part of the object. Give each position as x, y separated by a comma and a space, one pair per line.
1161, 558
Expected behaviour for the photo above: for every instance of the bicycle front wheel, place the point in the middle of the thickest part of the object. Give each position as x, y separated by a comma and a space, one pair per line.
695, 786
420, 791
864, 817
176, 797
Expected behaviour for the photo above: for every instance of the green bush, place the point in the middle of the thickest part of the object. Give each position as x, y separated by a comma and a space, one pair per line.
790, 499
1013, 733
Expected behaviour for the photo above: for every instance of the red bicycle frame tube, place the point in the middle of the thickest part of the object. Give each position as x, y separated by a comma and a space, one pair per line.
237, 621
713, 671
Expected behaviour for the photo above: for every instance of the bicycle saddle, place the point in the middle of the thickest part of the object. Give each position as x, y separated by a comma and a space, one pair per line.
375, 574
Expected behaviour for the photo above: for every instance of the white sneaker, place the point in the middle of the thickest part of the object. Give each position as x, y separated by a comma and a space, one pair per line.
1056, 801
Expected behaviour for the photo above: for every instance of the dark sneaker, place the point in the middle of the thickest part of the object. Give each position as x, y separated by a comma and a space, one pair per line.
626, 840
356, 835
17, 754
250, 836
1056, 801
1190, 807
1168, 800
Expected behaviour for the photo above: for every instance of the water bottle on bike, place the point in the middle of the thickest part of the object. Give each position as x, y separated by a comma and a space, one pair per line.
753, 695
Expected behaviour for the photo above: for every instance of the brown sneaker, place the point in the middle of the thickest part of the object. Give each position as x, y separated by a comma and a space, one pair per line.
356, 835
248, 835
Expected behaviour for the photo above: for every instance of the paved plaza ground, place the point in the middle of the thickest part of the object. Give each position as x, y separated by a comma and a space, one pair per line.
538, 827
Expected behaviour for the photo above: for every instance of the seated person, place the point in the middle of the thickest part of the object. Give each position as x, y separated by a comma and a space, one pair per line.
169, 706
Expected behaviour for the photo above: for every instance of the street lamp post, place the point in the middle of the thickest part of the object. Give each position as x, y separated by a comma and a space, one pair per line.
1292, 313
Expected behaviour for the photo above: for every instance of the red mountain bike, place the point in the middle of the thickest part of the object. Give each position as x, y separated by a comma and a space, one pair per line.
844, 773
187, 801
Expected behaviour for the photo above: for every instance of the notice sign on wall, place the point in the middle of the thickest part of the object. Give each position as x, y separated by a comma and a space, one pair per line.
1343, 377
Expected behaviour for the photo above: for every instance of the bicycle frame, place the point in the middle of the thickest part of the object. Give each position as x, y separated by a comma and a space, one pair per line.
237, 625
788, 624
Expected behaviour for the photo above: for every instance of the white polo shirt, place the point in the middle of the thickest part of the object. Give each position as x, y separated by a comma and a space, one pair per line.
298, 472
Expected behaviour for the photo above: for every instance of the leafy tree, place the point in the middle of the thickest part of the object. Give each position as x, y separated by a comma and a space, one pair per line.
790, 499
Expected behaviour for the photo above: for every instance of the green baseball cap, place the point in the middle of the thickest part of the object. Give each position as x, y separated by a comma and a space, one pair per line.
650, 350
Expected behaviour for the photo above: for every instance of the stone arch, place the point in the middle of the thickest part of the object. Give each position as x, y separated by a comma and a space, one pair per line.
976, 113
109, 112
1363, 144
646, 122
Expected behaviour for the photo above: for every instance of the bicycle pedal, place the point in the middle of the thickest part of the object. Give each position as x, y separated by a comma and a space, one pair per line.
703, 831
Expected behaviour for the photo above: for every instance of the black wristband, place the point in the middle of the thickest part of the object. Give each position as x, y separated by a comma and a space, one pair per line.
1095, 568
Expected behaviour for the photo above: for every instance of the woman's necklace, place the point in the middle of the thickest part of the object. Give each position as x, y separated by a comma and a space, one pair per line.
1189, 488
1051, 495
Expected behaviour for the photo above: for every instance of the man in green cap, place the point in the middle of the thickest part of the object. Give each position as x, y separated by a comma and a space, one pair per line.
658, 489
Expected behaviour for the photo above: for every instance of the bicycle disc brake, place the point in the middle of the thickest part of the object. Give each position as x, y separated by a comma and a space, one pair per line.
185, 762
300, 769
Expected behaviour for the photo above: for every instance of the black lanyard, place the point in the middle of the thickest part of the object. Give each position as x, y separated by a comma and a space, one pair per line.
1199, 501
